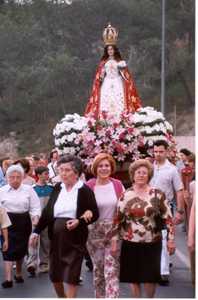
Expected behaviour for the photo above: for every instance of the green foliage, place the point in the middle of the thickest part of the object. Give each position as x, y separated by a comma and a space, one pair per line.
49, 53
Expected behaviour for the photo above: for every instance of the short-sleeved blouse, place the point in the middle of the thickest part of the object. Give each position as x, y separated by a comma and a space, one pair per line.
137, 217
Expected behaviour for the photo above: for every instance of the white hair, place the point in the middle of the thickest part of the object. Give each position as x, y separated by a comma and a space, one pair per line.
15, 168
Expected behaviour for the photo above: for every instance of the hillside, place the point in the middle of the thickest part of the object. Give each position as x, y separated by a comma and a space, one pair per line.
49, 53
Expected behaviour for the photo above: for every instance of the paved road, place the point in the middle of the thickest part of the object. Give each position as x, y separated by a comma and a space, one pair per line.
180, 285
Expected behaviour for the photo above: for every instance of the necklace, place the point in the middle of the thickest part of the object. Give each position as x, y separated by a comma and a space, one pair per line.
141, 191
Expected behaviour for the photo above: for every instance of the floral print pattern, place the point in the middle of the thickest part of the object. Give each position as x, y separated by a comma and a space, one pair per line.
106, 266
139, 219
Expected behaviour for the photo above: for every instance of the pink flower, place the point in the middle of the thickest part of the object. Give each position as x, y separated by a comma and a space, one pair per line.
89, 123
130, 130
115, 125
121, 136
119, 148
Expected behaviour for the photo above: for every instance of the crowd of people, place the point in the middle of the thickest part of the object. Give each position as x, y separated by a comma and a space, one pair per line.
52, 217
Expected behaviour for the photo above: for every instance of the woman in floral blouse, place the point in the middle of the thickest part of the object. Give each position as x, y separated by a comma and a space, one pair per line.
142, 213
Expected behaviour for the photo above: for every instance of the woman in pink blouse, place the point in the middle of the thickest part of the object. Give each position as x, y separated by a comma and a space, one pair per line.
142, 213
107, 191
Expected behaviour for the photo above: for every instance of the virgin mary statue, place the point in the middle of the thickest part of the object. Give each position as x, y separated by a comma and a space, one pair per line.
113, 89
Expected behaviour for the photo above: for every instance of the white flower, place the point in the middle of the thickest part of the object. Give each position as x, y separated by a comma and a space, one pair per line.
72, 150
122, 64
57, 142
63, 139
66, 150
69, 138
74, 135
168, 126
150, 143
60, 152
148, 129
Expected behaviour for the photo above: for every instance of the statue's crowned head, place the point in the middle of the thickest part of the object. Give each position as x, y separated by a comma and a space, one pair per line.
110, 35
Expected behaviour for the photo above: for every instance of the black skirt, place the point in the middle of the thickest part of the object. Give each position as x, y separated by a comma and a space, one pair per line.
140, 262
66, 253
18, 236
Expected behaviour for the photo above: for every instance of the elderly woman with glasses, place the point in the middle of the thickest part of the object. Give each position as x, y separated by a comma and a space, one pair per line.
71, 207
141, 213
20, 202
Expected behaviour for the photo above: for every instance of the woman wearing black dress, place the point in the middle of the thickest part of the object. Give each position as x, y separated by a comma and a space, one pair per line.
67, 227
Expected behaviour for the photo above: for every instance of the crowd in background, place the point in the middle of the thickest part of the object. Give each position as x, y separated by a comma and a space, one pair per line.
123, 225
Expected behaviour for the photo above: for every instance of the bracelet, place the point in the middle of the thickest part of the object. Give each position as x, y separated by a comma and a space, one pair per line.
171, 240
180, 211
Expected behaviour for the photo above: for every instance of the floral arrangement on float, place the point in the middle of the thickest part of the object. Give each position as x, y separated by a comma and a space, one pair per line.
87, 137
118, 137
67, 134
153, 126
122, 138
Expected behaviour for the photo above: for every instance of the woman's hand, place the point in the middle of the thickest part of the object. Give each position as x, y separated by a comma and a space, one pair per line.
179, 218
5, 246
114, 247
87, 216
72, 224
171, 247
35, 220
33, 241
186, 197
191, 245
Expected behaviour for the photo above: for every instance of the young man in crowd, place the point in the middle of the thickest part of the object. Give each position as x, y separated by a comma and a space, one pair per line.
167, 179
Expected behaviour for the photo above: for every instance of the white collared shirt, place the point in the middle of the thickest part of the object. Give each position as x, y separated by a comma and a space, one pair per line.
23, 199
66, 204
166, 178
4, 219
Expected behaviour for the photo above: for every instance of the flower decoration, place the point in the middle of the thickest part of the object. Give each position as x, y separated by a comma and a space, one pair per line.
121, 137
67, 132
86, 137
108, 134
153, 126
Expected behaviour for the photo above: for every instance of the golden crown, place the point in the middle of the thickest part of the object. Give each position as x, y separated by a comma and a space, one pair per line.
110, 35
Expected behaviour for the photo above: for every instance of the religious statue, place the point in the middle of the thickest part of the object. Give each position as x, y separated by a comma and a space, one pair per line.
113, 89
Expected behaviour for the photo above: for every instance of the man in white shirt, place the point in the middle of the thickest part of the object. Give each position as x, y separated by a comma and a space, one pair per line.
167, 179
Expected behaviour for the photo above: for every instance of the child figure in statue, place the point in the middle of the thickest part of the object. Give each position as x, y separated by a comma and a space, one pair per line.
113, 88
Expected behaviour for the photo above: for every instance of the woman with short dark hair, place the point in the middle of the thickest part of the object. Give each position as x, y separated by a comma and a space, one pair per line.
67, 226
